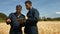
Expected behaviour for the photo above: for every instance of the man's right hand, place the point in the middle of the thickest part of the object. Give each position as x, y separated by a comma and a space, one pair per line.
8, 20
26, 17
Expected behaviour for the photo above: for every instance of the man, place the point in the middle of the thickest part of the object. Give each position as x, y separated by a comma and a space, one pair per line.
14, 22
31, 19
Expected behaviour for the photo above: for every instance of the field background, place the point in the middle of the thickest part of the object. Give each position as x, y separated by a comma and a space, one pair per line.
44, 27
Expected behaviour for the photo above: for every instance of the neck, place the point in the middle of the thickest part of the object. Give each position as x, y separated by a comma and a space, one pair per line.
18, 13
30, 8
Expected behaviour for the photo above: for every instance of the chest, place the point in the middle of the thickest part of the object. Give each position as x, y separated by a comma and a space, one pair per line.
15, 18
30, 14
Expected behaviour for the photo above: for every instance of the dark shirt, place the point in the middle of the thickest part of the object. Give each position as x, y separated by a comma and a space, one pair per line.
15, 24
33, 16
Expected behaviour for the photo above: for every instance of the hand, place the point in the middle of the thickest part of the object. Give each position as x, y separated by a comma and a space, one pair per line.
8, 20
26, 17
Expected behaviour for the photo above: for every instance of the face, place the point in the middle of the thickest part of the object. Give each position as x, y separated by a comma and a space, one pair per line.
28, 6
18, 9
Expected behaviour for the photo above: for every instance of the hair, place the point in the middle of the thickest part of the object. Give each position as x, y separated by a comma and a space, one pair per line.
28, 2
18, 6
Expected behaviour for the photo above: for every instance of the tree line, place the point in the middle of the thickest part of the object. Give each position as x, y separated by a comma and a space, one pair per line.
49, 19
3, 18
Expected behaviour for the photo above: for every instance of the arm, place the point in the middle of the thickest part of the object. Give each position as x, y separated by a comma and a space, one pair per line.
8, 21
35, 17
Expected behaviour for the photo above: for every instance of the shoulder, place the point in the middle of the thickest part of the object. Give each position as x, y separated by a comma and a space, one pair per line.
34, 10
11, 14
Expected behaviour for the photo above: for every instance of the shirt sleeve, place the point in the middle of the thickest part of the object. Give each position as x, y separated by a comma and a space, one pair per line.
9, 17
35, 17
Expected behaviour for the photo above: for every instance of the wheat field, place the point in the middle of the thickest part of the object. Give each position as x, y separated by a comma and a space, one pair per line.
44, 27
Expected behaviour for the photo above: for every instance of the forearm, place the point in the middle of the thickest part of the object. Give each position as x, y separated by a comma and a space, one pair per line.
32, 20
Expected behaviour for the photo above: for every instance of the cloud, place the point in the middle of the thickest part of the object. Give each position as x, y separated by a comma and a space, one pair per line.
57, 12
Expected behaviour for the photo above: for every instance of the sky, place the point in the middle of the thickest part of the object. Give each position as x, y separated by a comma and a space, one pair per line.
47, 8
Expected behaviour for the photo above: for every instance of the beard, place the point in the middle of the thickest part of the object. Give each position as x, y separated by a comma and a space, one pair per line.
28, 8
